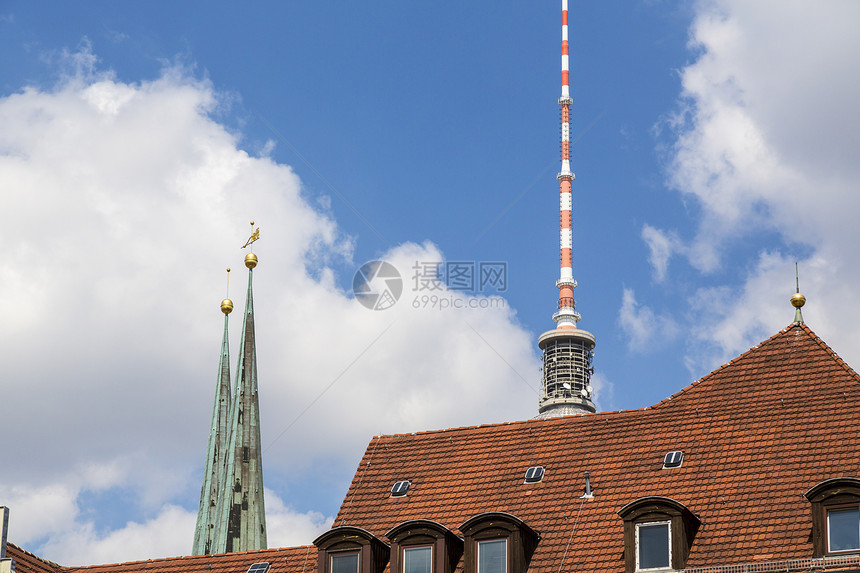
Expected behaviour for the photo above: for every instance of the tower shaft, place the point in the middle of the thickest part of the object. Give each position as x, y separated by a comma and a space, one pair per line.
215, 454
567, 350
241, 514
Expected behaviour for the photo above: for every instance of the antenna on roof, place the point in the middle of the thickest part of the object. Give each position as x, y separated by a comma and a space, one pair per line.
797, 299
588, 493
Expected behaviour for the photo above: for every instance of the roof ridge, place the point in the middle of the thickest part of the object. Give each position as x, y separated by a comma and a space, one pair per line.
826, 347
34, 556
802, 326
181, 557
557, 420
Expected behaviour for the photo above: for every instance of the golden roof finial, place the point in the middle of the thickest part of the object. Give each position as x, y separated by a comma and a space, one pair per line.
797, 299
227, 304
251, 258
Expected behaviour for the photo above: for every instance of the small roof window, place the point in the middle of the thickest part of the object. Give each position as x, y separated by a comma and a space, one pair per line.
534, 474
259, 567
400, 488
673, 459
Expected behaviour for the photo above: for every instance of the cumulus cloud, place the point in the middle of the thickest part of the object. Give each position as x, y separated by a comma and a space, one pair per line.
661, 246
288, 528
81, 544
123, 203
643, 327
765, 137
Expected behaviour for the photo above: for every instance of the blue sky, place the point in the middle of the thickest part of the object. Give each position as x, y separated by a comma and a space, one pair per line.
711, 152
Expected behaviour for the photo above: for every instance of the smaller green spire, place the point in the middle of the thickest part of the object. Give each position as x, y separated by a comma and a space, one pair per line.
213, 470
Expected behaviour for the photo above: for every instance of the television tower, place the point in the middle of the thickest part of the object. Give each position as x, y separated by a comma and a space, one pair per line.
567, 350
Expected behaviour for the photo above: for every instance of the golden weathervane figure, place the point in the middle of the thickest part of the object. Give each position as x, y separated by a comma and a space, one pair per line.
251, 258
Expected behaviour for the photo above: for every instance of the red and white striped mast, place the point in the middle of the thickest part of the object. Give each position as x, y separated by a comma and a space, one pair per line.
567, 350
566, 317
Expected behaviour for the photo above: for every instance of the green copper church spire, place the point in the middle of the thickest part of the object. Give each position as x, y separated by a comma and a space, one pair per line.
241, 512
214, 467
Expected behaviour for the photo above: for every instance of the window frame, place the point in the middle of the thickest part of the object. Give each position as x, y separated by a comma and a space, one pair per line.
841, 507
479, 542
520, 540
373, 553
834, 493
447, 548
638, 545
332, 555
683, 525
405, 548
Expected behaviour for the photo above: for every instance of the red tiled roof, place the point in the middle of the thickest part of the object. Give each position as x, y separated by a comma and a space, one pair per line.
756, 433
293, 560
26, 562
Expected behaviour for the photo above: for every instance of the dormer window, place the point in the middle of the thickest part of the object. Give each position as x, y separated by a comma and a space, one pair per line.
345, 562
843, 529
497, 543
835, 505
424, 546
349, 549
653, 545
418, 559
658, 533
493, 556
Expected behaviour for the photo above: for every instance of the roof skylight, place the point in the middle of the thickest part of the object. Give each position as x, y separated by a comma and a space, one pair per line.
259, 567
673, 459
534, 474
400, 488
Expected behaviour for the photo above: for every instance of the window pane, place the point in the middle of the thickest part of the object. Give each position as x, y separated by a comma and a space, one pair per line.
492, 556
345, 563
417, 560
653, 545
843, 527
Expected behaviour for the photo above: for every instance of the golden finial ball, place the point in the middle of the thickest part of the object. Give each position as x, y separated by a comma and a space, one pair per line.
250, 260
226, 306
798, 300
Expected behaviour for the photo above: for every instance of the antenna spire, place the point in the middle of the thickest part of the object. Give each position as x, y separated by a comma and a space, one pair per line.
567, 350
797, 299
566, 317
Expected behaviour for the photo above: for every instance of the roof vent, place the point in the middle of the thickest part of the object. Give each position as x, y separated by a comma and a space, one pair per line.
673, 459
259, 567
400, 488
534, 474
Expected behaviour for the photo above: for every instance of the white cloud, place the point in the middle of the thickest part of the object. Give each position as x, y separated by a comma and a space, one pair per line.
766, 141
604, 392
644, 329
661, 246
81, 544
288, 528
122, 205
